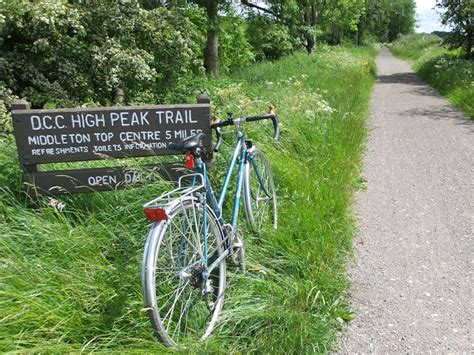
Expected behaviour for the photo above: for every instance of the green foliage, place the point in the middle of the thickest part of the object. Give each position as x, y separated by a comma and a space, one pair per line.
459, 15
235, 50
387, 19
415, 46
445, 70
269, 39
375, 21
70, 276
73, 54
6, 98
402, 18
340, 19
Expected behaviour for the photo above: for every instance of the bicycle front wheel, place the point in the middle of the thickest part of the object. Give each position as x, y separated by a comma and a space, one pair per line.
183, 302
260, 198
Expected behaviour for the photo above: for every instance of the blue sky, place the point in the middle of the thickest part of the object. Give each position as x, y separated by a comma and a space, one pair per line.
427, 18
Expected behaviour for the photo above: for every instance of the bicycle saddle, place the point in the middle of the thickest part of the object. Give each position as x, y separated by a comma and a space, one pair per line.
188, 144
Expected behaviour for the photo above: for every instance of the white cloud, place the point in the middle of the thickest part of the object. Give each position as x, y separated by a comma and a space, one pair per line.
422, 5
427, 18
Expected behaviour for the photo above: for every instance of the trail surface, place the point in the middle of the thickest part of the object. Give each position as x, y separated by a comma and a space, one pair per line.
412, 271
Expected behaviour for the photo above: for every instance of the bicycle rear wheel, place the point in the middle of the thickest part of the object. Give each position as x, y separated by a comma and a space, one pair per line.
181, 302
260, 198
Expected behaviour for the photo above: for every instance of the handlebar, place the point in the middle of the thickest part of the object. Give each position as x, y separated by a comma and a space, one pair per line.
231, 121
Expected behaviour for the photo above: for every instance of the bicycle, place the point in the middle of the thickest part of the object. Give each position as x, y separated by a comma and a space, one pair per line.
184, 261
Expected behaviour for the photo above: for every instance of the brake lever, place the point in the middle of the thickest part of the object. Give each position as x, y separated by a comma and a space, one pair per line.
219, 139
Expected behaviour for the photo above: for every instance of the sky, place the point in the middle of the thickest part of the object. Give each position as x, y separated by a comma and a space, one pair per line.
427, 18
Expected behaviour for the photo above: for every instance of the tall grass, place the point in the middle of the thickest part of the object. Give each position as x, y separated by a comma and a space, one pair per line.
70, 279
445, 70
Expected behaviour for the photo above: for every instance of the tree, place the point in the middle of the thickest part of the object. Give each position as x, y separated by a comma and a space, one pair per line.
211, 52
459, 14
342, 19
375, 20
402, 18
309, 12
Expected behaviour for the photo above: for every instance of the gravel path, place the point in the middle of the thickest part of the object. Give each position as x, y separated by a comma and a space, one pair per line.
412, 271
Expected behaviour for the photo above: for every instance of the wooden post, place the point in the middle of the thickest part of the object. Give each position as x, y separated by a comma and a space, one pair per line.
19, 105
203, 99
207, 156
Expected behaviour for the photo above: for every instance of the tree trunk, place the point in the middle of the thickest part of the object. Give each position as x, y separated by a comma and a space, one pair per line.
211, 52
310, 18
310, 42
469, 44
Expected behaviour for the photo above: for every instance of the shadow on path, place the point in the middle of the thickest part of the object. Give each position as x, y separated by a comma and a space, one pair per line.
401, 78
440, 113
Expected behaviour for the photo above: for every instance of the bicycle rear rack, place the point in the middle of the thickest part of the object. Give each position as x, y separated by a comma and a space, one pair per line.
179, 193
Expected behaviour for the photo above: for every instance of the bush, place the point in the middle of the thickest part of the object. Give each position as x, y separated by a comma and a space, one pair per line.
235, 50
85, 53
412, 46
6, 98
270, 40
445, 70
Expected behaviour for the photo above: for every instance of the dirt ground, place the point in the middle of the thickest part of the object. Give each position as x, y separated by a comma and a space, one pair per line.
412, 269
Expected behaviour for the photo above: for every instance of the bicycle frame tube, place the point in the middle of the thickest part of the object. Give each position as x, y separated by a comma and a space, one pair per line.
260, 181
236, 154
238, 190
204, 216
239, 152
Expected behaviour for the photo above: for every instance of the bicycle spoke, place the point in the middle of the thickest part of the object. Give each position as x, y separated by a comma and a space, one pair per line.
182, 312
260, 194
195, 235
183, 235
171, 310
178, 302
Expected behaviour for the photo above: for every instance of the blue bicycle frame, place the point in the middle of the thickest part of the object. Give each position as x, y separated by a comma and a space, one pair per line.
240, 151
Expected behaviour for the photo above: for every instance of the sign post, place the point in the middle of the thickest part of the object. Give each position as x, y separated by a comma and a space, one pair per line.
81, 134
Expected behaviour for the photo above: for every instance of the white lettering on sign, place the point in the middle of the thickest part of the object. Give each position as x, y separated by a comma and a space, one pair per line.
183, 133
125, 119
59, 139
103, 148
170, 117
139, 136
102, 180
132, 178
88, 120
47, 122
103, 136
111, 132
145, 146
71, 150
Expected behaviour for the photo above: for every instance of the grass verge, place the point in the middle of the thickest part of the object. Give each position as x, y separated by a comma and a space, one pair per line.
71, 279
443, 69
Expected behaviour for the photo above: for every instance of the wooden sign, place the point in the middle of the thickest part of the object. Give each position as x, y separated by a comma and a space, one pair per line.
64, 135
78, 134
60, 182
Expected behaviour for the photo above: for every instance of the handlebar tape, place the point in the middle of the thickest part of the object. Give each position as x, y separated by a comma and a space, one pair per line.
272, 116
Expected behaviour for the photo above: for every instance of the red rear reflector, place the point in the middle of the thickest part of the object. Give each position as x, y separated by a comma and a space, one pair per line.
156, 214
189, 161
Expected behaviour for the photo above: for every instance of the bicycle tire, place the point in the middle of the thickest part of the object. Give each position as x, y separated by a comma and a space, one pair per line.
171, 247
260, 198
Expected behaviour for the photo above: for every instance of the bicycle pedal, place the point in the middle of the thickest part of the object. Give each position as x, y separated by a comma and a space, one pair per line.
235, 259
208, 287
238, 244
259, 272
